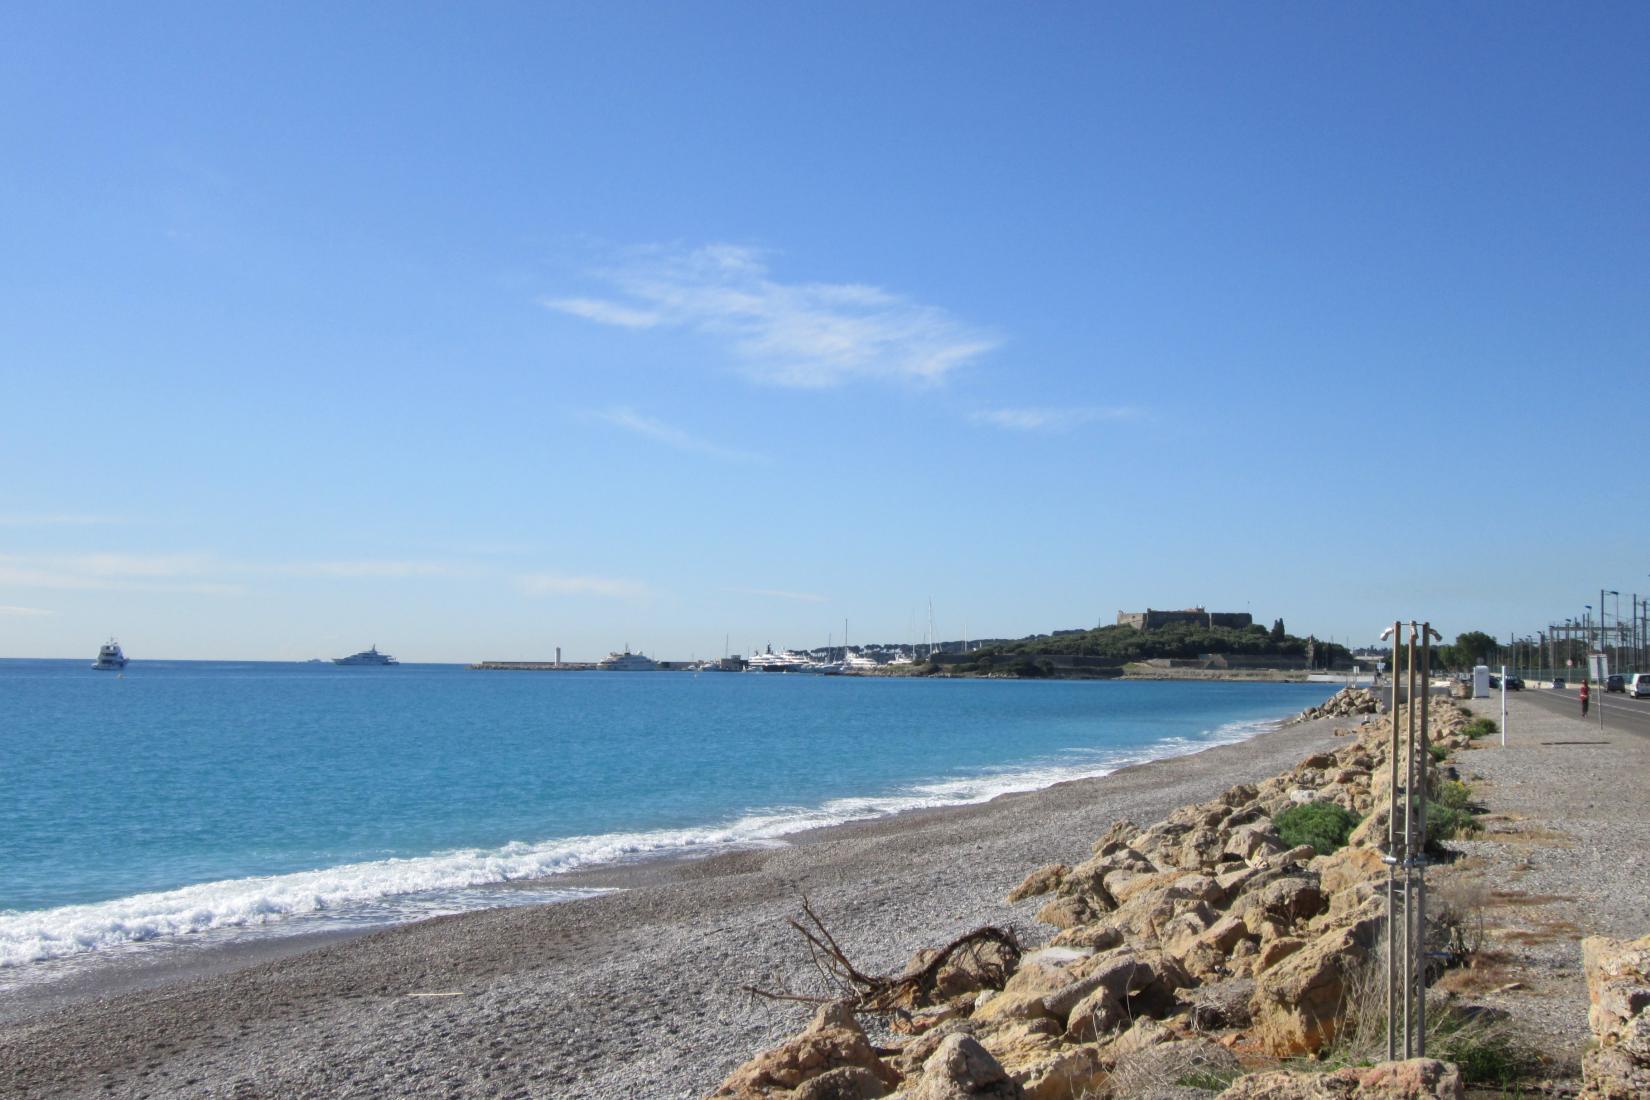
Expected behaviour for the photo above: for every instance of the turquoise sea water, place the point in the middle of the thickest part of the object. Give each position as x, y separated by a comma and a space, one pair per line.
185, 797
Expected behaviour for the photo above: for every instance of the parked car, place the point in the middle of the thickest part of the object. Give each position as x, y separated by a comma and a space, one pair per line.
1495, 681
1615, 682
1639, 687
1558, 683
1515, 683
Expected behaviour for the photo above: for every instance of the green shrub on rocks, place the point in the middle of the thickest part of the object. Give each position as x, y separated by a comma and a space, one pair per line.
1454, 794
1448, 822
1482, 727
1324, 825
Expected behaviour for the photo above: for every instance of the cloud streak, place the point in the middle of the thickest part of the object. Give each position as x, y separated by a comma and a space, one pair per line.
631, 421
23, 612
392, 570
809, 335
1046, 419
556, 584
57, 520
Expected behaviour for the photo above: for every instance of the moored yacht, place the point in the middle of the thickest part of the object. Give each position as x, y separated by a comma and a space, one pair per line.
109, 657
627, 662
366, 657
859, 662
769, 661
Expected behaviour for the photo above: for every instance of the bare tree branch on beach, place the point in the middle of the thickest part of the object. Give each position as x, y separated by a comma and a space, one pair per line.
894, 994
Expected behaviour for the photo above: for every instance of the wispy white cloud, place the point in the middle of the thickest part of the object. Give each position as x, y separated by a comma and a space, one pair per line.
139, 565
789, 334
780, 594
182, 573
357, 569
202, 574
556, 584
1053, 419
632, 421
57, 520
606, 313
23, 612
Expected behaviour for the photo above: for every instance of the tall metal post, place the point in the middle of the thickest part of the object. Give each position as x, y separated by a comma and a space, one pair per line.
1409, 848
1392, 857
1423, 759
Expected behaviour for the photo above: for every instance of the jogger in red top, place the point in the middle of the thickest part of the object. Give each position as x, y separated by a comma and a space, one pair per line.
1585, 694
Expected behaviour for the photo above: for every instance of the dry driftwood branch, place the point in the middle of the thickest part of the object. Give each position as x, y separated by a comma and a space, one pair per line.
891, 993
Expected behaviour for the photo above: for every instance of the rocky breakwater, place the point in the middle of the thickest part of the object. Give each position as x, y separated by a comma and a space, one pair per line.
1183, 955
1349, 702
1618, 984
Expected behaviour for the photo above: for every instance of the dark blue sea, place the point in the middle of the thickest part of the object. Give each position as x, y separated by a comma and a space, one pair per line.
185, 799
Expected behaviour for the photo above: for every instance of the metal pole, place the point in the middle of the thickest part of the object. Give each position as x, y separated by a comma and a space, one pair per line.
1409, 851
1503, 706
1424, 759
1392, 865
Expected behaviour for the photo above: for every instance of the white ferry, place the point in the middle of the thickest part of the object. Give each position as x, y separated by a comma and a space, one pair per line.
110, 658
627, 662
366, 657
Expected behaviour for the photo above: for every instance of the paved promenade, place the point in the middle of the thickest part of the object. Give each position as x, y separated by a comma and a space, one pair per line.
1565, 852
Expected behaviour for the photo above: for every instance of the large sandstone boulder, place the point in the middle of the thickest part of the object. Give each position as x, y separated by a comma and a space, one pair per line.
1299, 1004
1067, 1074
1071, 911
1116, 988
1040, 881
1120, 835
833, 1040
962, 1069
1618, 984
1416, 1079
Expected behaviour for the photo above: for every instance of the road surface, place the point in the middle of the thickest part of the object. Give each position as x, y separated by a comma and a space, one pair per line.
1622, 713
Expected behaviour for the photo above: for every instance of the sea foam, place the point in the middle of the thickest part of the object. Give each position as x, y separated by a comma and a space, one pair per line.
358, 890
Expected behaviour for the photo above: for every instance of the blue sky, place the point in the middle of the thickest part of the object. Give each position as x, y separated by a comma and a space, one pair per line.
474, 331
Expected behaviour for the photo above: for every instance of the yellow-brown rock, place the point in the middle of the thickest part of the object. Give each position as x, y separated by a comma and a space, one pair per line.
962, 1069
1618, 985
1040, 881
1297, 1003
831, 1041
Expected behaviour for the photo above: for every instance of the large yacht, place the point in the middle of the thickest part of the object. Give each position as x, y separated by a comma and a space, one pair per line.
366, 657
769, 661
627, 662
109, 657
859, 663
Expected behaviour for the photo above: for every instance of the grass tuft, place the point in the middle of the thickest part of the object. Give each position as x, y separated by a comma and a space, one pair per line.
1482, 727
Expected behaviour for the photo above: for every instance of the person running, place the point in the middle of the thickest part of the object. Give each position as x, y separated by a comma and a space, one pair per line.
1585, 694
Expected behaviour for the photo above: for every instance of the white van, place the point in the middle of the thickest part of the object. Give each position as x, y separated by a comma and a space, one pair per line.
1639, 686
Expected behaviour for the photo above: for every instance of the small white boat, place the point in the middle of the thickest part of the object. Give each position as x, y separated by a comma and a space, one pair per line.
110, 658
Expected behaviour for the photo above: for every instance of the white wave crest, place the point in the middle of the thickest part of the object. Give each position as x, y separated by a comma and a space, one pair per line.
36, 935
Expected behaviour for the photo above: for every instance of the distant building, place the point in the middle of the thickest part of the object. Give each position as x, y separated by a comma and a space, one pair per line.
1194, 616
